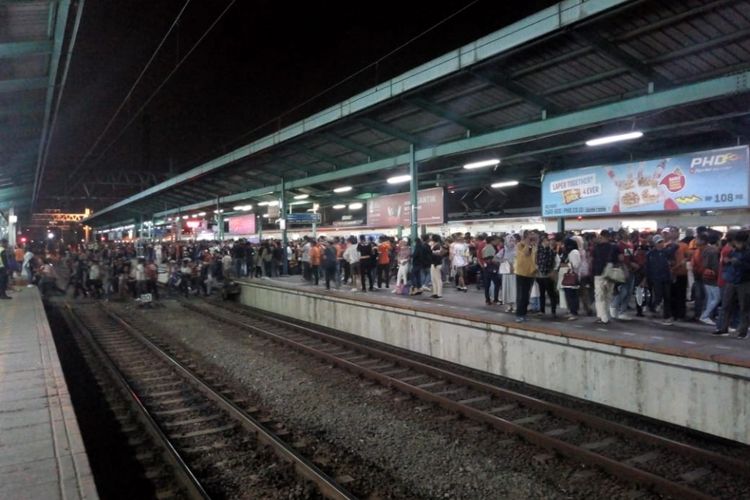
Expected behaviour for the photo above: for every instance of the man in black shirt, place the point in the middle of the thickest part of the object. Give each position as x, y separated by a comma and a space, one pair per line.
367, 258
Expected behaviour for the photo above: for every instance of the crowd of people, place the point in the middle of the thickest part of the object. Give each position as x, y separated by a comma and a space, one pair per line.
700, 275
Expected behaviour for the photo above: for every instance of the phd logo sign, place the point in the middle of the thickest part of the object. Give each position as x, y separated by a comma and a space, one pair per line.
683, 182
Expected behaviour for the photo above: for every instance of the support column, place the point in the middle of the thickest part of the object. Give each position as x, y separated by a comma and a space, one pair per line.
259, 220
282, 226
413, 189
561, 225
219, 220
12, 225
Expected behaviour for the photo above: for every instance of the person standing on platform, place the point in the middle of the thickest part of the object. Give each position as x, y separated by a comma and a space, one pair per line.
366, 261
420, 260
403, 256
740, 260
4, 269
490, 269
570, 262
329, 264
352, 257
605, 252
626, 245
679, 274
384, 262
506, 257
305, 259
315, 259
525, 267
728, 290
438, 252
459, 253
659, 275
709, 275
547, 275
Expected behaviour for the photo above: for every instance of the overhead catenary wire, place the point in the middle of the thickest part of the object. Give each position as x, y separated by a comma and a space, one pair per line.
345, 79
161, 85
130, 92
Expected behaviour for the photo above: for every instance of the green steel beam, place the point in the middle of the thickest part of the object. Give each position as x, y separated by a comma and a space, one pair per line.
355, 146
20, 107
500, 79
23, 84
14, 192
446, 114
60, 19
16, 49
317, 155
536, 26
685, 95
393, 131
611, 50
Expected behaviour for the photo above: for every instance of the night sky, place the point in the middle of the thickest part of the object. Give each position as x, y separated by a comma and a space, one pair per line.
261, 60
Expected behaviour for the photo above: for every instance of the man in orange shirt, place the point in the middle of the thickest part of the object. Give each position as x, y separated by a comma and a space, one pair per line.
384, 262
315, 257
679, 273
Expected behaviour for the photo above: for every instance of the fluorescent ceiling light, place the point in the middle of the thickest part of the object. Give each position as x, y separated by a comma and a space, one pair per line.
342, 189
302, 197
484, 163
339, 207
201, 214
184, 217
505, 184
263, 203
355, 206
272, 203
267, 216
399, 179
300, 202
614, 138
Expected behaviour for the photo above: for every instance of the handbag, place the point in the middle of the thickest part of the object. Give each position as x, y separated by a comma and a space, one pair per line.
614, 273
570, 279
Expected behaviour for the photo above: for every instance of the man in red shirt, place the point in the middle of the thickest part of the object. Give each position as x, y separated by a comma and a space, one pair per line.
384, 262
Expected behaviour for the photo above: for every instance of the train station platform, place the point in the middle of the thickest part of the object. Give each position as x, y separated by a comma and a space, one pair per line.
42, 454
679, 374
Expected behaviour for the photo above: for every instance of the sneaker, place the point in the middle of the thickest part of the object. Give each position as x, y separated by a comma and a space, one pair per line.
707, 321
720, 333
520, 319
624, 317
667, 322
572, 317
354, 289
742, 335
600, 321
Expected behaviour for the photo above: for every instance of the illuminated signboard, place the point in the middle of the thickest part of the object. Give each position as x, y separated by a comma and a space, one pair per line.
705, 180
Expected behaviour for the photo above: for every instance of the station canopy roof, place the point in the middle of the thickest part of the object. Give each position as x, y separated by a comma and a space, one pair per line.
530, 94
32, 74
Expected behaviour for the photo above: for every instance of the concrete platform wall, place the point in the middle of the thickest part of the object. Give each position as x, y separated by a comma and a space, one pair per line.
702, 395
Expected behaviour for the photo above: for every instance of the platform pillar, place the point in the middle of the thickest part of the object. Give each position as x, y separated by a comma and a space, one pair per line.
413, 190
282, 226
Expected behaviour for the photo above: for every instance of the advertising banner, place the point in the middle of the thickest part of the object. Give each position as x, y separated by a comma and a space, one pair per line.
242, 224
705, 180
395, 209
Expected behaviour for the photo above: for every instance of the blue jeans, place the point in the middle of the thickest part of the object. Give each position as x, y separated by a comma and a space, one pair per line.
712, 299
623, 295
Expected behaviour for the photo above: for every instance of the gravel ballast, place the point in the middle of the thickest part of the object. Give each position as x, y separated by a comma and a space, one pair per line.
428, 451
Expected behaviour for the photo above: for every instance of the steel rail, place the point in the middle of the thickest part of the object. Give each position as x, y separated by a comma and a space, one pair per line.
305, 468
614, 467
184, 475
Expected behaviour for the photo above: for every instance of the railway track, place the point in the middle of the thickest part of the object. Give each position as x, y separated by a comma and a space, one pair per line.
666, 466
212, 444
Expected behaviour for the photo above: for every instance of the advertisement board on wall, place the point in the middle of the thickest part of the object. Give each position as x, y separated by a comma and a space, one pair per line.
242, 224
395, 209
705, 180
